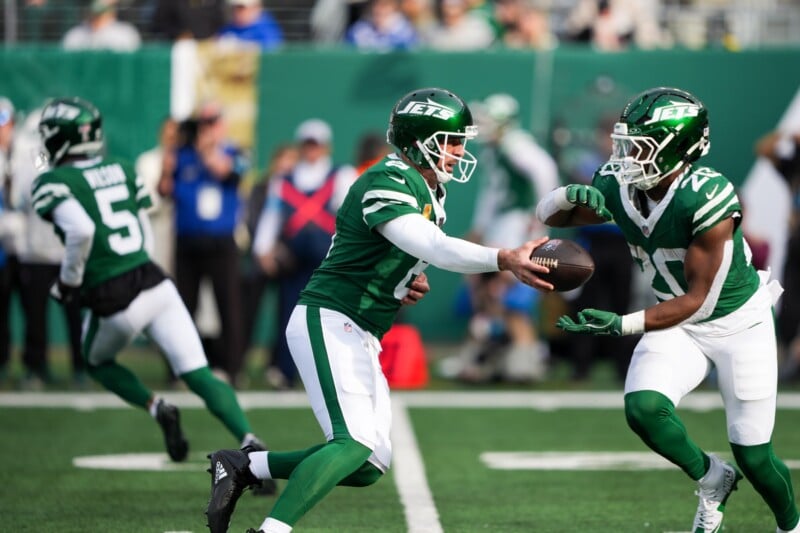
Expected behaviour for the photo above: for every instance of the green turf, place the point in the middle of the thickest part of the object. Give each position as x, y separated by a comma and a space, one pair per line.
40, 490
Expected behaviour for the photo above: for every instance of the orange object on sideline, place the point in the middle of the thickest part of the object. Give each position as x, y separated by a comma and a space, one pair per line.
403, 358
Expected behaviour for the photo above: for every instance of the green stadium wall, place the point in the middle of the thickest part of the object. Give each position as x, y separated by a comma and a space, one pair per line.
565, 91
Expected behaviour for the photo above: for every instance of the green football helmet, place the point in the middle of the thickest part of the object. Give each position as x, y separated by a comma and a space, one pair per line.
659, 131
70, 127
424, 122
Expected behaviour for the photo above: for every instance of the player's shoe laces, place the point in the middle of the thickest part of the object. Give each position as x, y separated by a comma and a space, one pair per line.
168, 418
263, 487
713, 491
230, 476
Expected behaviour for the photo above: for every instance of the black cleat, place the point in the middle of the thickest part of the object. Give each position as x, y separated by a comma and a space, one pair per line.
230, 477
168, 418
251, 530
263, 487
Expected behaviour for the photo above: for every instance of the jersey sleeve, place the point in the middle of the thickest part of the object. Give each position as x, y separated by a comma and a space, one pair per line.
715, 201
47, 192
388, 196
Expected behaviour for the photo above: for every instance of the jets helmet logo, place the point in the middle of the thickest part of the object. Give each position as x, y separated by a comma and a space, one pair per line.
428, 109
674, 111
61, 110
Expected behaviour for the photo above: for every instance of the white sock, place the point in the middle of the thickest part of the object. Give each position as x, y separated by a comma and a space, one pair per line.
713, 477
271, 525
153, 406
259, 465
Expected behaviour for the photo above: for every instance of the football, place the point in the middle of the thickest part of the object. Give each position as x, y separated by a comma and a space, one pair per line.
570, 264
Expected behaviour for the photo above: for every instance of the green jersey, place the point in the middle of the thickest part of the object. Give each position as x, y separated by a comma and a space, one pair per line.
111, 194
694, 203
364, 275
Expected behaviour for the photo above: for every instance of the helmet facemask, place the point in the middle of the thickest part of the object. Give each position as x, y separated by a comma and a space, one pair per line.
434, 151
660, 131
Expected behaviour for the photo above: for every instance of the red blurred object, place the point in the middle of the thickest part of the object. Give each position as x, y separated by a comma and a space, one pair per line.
403, 358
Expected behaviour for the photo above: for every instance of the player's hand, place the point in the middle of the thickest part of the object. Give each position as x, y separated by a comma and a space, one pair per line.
418, 288
518, 262
593, 321
63, 293
590, 198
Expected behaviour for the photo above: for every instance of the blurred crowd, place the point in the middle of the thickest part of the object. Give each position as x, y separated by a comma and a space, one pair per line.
607, 25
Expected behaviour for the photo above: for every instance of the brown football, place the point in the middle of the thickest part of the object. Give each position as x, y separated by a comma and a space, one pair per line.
570, 264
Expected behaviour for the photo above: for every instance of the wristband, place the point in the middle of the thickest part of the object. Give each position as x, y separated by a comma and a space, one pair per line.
633, 323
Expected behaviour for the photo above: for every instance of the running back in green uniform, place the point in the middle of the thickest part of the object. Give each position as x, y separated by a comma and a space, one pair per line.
364, 275
112, 195
682, 222
696, 201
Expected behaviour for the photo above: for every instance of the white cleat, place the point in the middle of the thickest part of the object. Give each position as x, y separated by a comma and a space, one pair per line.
713, 491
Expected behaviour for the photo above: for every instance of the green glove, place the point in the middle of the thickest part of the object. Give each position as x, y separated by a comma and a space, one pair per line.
593, 321
589, 197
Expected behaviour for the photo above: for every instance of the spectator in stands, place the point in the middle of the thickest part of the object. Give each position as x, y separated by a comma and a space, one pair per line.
203, 178
295, 229
371, 148
9, 227
102, 31
531, 29
459, 29
612, 25
188, 19
251, 23
254, 279
39, 253
149, 167
420, 14
383, 27
783, 151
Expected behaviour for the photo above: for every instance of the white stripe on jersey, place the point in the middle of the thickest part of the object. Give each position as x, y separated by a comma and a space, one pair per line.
383, 194
713, 220
713, 203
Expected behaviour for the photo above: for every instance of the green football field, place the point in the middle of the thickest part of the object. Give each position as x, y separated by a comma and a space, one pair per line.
512, 461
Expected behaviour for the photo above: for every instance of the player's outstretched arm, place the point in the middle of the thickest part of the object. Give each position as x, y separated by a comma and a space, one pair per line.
573, 205
518, 262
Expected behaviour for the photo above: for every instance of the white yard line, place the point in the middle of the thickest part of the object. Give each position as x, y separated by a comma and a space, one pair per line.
409, 475
540, 401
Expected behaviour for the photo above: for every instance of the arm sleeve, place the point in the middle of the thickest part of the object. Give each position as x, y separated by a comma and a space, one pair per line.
78, 230
417, 236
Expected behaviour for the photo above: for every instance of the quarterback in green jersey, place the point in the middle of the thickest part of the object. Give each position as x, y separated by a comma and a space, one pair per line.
388, 230
97, 206
682, 222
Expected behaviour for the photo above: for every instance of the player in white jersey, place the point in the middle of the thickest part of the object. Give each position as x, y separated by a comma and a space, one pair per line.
682, 222
387, 233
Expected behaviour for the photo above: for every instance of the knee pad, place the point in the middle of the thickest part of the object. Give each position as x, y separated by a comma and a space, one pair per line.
645, 410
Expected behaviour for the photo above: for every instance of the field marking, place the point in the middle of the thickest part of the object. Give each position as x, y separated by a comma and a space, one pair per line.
537, 400
616, 461
409, 475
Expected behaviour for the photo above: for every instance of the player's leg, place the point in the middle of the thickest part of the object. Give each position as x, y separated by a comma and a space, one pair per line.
103, 339
666, 365
747, 366
173, 330
338, 364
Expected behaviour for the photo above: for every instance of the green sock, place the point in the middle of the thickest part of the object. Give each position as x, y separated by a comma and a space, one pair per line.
316, 475
220, 399
651, 415
771, 479
282, 464
121, 382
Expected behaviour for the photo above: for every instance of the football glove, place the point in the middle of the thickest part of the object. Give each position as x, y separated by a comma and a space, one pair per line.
63, 293
593, 321
590, 198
